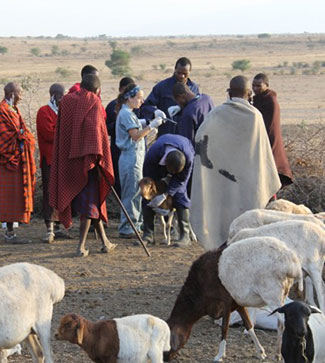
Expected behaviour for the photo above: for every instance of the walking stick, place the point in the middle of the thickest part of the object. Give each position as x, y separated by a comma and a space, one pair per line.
127, 215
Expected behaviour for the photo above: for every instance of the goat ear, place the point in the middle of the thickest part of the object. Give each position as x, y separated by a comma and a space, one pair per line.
281, 310
314, 310
80, 332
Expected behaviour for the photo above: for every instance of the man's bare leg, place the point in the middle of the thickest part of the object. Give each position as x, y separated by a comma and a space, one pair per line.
83, 232
107, 245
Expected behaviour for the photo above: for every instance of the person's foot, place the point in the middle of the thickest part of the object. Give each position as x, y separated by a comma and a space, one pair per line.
11, 237
82, 253
60, 234
108, 248
49, 237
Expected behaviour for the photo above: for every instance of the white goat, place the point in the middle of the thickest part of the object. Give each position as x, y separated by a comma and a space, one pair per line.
28, 293
134, 338
259, 271
283, 205
305, 238
259, 217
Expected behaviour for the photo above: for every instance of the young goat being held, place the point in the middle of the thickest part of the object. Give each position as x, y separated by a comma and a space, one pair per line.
135, 338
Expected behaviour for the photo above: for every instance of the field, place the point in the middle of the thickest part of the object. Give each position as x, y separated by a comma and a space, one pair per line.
127, 281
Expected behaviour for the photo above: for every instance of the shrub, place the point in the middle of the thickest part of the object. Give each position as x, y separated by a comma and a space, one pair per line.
264, 35
119, 62
55, 50
3, 50
137, 50
162, 66
36, 52
63, 72
241, 64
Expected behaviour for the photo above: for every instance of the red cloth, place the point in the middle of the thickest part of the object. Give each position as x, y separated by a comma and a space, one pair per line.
75, 88
81, 142
45, 122
268, 105
17, 145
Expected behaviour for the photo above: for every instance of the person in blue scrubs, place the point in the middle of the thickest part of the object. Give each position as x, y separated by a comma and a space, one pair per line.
130, 140
170, 158
161, 96
194, 109
110, 124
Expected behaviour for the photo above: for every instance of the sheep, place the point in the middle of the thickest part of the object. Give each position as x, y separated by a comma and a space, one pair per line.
305, 238
283, 205
148, 190
258, 217
28, 293
135, 338
255, 272
304, 333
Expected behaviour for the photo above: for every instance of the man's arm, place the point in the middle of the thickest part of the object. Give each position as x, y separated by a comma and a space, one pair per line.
45, 125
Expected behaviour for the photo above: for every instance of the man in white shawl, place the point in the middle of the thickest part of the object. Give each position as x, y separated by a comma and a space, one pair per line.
234, 168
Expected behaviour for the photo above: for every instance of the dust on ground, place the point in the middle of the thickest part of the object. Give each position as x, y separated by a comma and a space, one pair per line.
121, 283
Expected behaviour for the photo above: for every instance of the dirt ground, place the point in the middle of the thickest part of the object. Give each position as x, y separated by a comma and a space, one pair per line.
122, 283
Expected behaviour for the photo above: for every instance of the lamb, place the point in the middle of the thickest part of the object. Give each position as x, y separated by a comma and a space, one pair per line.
283, 205
304, 333
305, 238
258, 217
150, 189
225, 280
135, 338
28, 293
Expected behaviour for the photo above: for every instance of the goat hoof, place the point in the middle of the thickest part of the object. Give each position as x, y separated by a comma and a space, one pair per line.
84, 253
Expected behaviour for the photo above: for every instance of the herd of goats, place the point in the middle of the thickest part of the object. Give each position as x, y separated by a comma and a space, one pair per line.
267, 251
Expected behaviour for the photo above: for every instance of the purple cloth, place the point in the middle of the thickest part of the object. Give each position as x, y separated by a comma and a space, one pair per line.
193, 115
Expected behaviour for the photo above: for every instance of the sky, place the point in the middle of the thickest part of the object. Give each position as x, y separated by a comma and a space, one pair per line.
122, 18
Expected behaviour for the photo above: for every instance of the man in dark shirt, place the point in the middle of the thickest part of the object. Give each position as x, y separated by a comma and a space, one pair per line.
161, 96
265, 100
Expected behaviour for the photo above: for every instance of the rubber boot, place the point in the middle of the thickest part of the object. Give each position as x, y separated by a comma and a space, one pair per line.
148, 225
183, 218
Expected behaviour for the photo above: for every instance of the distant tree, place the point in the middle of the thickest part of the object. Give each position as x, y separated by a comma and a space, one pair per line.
119, 62
264, 35
136, 50
113, 44
36, 52
3, 50
55, 50
242, 64
61, 36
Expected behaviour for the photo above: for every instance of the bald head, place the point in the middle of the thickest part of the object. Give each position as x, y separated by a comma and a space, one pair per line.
239, 87
13, 92
56, 92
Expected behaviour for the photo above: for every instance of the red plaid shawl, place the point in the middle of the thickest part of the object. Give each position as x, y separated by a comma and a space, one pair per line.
10, 154
81, 142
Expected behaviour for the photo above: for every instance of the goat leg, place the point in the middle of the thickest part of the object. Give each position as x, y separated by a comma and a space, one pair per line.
224, 332
34, 348
242, 311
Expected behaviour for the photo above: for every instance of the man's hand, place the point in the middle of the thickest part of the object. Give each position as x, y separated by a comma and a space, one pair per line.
157, 201
155, 123
173, 110
159, 113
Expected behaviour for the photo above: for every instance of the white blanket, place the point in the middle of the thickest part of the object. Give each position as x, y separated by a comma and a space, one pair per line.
234, 170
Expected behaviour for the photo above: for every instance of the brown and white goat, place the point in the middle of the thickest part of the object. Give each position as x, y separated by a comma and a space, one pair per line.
150, 189
203, 293
135, 338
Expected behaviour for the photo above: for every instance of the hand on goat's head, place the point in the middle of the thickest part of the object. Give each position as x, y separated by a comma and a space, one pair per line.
71, 329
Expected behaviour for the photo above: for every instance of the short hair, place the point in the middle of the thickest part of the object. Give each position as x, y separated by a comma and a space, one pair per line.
88, 69
175, 161
183, 62
179, 89
125, 81
56, 88
90, 82
263, 77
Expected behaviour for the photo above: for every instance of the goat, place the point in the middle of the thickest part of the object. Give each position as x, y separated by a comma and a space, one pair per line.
225, 280
135, 338
28, 293
304, 333
148, 190
258, 217
283, 205
305, 238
